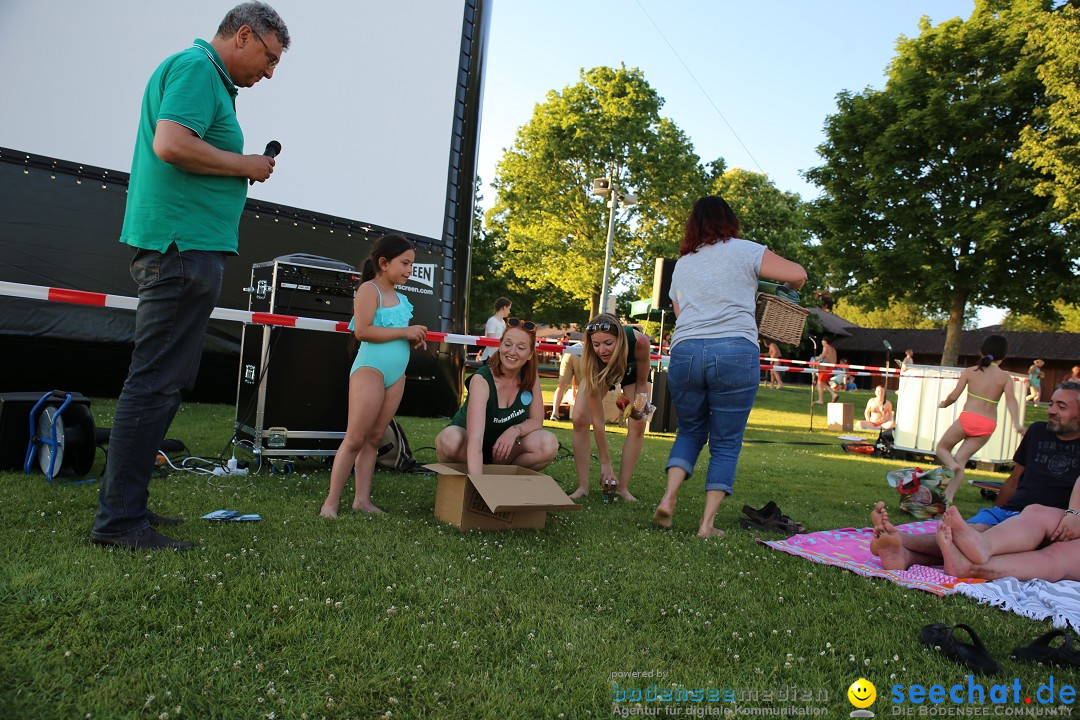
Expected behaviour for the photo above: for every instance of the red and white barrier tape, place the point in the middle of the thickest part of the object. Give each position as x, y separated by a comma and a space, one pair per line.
92, 299
81, 297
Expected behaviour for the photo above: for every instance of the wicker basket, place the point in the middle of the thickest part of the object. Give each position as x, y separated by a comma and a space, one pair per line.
780, 320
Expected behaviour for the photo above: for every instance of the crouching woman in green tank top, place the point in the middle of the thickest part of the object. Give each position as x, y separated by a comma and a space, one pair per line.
502, 419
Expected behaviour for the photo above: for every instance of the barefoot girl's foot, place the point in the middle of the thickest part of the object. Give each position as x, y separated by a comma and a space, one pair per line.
965, 538
626, 496
710, 532
580, 492
328, 512
662, 516
955, 563
367, 507
890, 550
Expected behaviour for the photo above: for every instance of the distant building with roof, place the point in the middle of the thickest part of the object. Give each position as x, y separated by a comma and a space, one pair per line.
866, 346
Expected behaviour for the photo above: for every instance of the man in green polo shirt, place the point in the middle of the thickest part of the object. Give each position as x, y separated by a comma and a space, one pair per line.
189, 180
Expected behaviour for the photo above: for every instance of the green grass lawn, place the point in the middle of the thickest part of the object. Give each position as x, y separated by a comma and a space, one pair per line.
400, 615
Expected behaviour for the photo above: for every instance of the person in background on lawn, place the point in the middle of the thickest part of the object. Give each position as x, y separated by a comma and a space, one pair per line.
715, 360
985, 384
1045, 468
377, 380
1035, 373
878, 414
1041, 543
569, 376
188, 186
613, 355
908, 361
839, 380
495, 327
774, 374
828, 355
502, 419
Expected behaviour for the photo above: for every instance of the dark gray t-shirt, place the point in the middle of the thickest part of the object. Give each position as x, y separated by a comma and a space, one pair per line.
1051, 467
716, 290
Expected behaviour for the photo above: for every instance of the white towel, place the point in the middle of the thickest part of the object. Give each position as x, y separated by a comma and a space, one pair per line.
1035, 599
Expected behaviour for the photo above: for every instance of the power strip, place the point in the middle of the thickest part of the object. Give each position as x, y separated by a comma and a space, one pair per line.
231, 468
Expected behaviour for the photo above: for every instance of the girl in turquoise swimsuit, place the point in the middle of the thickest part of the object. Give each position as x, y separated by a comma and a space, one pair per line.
381, 323
502, 420
985, 384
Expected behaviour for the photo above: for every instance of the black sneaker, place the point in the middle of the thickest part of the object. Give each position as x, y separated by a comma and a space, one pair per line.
778, 524
768, 512
145, 539
156, 519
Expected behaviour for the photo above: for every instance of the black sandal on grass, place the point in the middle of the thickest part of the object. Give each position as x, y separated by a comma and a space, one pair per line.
1040, 651
779, 524
974, 655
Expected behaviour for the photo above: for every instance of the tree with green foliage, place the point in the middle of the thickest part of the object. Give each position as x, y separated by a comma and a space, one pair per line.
491, 277
924, 198
1052, 142
905, 314
767, 215
606, 125
1069, 322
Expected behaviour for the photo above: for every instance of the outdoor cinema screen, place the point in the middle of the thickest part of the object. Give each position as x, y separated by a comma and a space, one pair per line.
362, 103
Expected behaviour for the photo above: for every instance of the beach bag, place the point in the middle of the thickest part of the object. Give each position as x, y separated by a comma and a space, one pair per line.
920, 491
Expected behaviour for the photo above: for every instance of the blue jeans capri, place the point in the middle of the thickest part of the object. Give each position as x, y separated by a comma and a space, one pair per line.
713, 383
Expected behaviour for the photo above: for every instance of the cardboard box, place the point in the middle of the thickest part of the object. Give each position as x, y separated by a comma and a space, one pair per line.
503, 497
841, 416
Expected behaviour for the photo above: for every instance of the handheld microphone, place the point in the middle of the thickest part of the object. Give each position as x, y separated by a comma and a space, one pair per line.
272, 149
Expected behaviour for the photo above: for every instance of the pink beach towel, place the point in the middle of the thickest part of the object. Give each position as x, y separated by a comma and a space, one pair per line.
849, 548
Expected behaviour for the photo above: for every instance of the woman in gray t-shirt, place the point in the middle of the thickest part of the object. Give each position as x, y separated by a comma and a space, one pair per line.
713, 376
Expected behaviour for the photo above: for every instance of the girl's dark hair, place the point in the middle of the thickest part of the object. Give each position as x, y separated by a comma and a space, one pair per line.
387, 247
711, 221
993, 349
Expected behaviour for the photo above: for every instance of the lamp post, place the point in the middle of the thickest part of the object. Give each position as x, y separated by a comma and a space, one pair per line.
888, 356
604, 187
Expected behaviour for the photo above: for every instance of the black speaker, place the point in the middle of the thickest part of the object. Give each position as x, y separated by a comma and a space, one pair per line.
293, 392
663, 419
662, 284
15, 410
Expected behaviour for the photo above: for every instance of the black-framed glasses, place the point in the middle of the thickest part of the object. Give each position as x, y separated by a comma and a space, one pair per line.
271, 59
604, 327
526, 325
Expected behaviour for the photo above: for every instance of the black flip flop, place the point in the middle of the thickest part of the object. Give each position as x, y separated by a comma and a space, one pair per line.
974, 655
1040, 651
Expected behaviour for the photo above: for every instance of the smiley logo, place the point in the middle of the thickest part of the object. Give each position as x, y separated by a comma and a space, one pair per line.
862, 693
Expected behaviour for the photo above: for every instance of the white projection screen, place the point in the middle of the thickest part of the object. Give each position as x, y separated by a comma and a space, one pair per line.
362, 103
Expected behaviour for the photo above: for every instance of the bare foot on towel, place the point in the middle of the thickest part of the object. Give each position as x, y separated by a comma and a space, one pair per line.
886, 543
955, 563
967, 539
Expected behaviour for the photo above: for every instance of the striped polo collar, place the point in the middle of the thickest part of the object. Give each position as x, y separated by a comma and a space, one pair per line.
216, 59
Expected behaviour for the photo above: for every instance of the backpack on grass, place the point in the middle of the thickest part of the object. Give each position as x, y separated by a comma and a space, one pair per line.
395, 453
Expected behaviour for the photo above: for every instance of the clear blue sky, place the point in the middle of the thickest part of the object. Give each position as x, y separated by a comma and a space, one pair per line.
772, 70
749, 82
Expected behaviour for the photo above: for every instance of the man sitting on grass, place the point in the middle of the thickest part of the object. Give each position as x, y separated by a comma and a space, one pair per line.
1046, 470
879, 412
